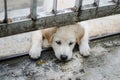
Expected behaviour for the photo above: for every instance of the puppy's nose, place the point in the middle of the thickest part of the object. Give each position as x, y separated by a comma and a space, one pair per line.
63, 57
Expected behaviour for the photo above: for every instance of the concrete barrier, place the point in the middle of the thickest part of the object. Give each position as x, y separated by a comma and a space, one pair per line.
19, 44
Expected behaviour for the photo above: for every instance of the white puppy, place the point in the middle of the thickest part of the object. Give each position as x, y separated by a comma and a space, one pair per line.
62, 40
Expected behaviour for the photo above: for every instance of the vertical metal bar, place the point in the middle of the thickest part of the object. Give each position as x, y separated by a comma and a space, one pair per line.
54, 10
116, 1
33, 9
78, 4
96, 3
5, 10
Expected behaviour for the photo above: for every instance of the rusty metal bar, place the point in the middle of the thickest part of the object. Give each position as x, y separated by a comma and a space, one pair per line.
54, 10
33, 9
78, 4
5, 10
96, 3
116, 1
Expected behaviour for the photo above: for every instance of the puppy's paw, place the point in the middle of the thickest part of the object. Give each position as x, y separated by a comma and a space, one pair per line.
84, 50
35, 53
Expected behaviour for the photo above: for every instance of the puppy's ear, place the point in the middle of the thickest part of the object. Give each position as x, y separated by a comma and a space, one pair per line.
49, 33
79, 33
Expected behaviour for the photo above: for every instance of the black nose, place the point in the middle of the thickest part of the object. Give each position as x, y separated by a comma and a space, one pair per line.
63, 57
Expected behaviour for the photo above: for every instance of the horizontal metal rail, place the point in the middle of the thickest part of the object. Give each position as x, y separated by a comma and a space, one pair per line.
58, 18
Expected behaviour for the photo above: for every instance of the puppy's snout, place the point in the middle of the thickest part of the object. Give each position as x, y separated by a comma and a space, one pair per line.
63, 57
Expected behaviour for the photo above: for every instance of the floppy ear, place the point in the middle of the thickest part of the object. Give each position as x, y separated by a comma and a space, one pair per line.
49, 33
79, 33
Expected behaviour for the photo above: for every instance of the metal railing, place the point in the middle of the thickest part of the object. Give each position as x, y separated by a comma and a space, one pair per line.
77, 13
33, 10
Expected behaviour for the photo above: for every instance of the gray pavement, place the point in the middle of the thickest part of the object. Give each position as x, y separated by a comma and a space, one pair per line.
103, 64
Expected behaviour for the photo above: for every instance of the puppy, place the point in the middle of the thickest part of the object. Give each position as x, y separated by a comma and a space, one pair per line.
62, 40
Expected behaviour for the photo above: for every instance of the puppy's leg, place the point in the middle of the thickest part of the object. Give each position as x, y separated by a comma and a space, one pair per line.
84, 44
36, 47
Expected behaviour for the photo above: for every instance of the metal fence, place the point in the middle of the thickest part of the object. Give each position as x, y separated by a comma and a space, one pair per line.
56, 18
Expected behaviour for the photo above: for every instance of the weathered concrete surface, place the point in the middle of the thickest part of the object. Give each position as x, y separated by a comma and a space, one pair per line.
103, 64
15, 44
19, 44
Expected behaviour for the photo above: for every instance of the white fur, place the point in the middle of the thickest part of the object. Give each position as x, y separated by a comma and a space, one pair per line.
84, 45
36, 49
65, 36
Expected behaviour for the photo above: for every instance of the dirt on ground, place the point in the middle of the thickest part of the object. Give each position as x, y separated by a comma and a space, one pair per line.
102, 64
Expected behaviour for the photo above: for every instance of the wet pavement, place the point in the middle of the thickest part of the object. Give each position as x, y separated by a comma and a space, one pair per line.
102, 64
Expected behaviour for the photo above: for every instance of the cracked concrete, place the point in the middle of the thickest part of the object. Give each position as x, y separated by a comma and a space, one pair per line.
103, 64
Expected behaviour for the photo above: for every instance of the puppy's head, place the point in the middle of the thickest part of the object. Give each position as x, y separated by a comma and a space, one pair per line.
63, 41
63, 44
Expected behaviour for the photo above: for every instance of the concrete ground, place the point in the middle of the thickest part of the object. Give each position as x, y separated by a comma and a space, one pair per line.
103, 64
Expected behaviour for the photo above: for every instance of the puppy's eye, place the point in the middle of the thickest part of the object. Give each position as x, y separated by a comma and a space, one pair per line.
58, 42
70, 43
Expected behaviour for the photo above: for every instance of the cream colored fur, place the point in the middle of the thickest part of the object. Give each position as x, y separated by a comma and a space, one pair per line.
76, 33
67, 34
